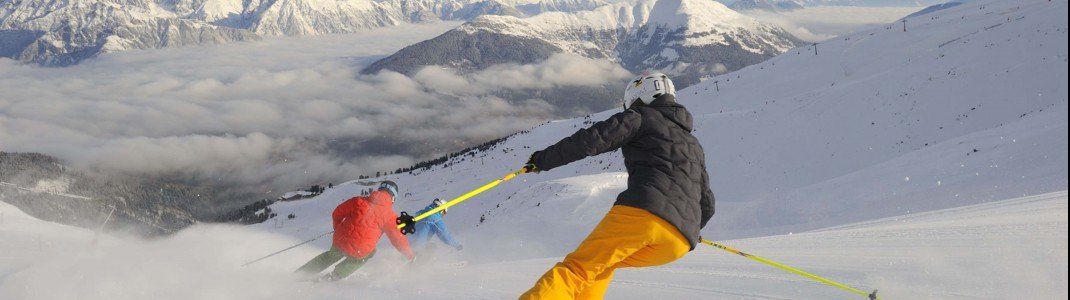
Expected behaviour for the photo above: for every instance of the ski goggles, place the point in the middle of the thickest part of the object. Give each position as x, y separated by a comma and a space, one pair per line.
392, 189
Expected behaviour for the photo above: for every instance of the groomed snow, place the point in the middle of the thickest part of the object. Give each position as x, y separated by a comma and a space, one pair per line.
1013, 249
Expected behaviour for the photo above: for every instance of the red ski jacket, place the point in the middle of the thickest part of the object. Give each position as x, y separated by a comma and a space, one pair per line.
360, 221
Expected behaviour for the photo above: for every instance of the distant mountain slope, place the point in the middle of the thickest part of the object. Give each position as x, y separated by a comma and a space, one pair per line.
687, 38
303, 17
46, 188
934, 8
65, 32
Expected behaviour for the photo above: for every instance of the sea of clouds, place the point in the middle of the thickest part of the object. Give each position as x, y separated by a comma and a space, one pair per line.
284, 111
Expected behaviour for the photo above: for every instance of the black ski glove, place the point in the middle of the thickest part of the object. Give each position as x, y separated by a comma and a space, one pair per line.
530, 165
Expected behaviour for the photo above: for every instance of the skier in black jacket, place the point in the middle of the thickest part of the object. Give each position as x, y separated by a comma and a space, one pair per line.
657, 219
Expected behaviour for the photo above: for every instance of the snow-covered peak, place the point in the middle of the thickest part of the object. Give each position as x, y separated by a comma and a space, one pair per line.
672, 13
77, 29
215, 10
694, 13
67, 31
700, 18
537, 7
304, 17
688, 39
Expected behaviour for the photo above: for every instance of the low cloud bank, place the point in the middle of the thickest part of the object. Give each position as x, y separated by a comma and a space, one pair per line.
252, 113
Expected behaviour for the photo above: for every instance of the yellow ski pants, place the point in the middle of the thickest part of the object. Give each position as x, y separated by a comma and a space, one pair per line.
626, 237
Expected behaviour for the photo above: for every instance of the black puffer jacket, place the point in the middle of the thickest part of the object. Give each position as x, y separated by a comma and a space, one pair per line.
666, 164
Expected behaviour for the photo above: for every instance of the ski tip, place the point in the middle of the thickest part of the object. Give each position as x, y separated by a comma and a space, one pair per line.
873, 295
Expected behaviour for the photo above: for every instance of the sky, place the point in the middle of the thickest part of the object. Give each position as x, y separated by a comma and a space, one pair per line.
281, 112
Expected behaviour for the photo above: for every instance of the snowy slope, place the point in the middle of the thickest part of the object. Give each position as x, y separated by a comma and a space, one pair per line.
1013, 249
42, 260
1000, 250
24, 239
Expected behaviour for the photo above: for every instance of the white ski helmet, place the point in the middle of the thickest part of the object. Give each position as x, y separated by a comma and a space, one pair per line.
438, 202
647, 87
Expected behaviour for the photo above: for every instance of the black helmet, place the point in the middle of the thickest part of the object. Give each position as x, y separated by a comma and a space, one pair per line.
390, 187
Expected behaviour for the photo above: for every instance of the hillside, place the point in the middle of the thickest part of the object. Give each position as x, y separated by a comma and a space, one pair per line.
48, 189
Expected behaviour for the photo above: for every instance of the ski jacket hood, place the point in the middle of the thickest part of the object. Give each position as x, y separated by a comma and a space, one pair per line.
360, 221
666, 105
666, 163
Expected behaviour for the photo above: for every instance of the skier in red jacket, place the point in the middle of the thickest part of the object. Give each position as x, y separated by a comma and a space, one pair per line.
358, 224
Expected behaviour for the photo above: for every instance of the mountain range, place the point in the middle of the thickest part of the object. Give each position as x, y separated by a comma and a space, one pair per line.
65, 32
689, 39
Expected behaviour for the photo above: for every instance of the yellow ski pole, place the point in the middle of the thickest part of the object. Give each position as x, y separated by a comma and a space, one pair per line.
872, 296
406, 223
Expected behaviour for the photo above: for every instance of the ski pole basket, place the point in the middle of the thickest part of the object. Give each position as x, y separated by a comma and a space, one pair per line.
409, 222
